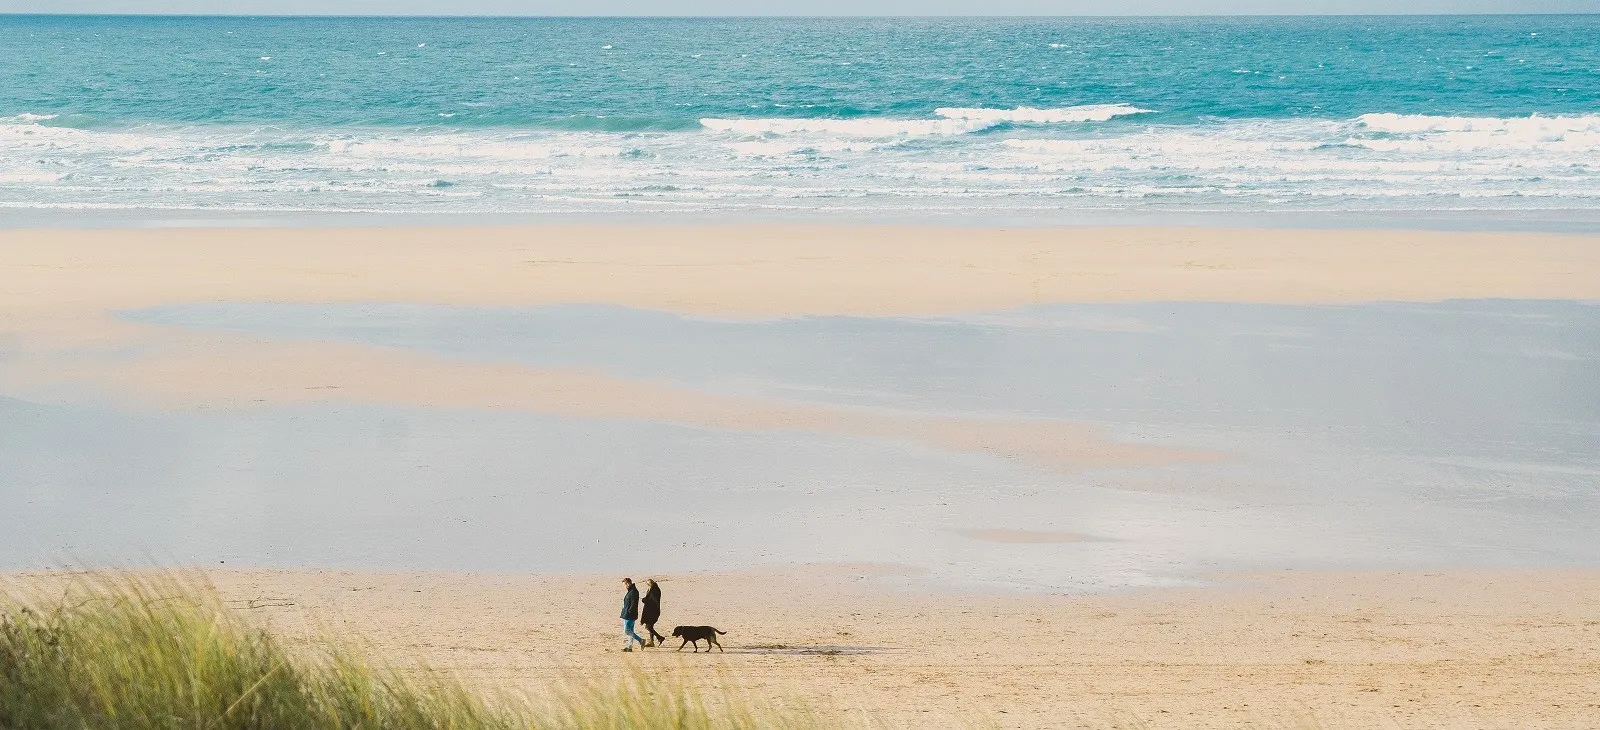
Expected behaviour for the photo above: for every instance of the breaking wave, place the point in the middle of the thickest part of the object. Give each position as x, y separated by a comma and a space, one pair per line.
1029, 115
953, 120
1043, 159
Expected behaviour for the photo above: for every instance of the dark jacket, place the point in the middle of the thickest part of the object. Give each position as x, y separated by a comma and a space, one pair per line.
652, 605
630, 604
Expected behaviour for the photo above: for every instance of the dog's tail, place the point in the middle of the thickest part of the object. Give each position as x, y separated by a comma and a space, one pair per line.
720, 631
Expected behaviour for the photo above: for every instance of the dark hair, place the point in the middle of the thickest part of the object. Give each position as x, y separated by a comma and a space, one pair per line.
627, 580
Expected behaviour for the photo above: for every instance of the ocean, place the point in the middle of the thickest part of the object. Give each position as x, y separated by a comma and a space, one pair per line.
902, 119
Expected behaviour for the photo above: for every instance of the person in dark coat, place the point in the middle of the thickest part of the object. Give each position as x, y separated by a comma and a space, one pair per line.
652, 613
630, 613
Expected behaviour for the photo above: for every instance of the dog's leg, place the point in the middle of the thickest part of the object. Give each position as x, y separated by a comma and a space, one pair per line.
718, 643
680, 646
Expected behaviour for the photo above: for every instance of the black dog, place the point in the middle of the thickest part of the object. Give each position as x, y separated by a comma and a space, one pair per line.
695, 634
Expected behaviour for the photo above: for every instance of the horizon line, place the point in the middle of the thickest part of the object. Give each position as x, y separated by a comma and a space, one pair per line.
491, 16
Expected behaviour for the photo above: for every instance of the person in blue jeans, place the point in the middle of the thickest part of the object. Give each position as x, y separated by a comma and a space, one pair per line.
630, 613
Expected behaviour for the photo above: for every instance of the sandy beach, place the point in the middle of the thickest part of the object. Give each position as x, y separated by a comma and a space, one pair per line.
1471, 622
1152, 364
1450, 649
778, 269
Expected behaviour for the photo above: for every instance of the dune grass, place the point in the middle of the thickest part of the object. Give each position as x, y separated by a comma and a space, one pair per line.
121, 651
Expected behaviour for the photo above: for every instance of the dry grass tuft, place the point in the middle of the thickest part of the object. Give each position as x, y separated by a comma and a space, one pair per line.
126, 651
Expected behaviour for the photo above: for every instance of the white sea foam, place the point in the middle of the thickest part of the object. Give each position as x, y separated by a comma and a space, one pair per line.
1029, 115
1050, 158
1415, 133
1540, 126
766, 148
465, 146
952, 120
864, 127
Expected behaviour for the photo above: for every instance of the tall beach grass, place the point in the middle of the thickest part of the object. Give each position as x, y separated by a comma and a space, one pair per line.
130, 651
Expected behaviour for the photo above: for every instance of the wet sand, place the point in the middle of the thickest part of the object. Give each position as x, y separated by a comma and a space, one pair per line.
63, 286
1452, 649
201, 372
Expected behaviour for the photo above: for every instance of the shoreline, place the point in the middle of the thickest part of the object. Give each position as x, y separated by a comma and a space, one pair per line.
1561, 221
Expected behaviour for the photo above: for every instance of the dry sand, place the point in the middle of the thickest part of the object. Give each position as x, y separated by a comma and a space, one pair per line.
1453, 649
776, 270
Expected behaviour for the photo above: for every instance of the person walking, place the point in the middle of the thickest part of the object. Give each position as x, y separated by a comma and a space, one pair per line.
652, 613
630, 613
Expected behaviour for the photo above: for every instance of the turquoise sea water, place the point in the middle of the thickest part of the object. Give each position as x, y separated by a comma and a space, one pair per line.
876, 117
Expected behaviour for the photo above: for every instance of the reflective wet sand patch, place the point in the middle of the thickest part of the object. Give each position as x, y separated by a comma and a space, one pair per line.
1025, 537
201, 372
459, 438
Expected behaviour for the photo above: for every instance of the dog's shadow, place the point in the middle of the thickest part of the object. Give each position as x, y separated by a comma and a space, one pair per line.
809, 649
